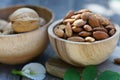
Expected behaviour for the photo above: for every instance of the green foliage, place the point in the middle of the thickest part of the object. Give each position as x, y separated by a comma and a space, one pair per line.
89, 73
72, 74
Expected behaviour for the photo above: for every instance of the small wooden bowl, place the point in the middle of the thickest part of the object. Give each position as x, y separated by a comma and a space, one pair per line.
20, 48
83, 53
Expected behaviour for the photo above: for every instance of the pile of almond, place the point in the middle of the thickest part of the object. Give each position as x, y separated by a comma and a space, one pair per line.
84, 26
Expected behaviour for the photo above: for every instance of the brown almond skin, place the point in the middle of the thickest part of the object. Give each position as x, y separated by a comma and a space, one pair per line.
85, 15
79, 23
59, 32
76, 39
78, 16
93, 21
82, 11
109, 27
68, 30
117, 60
76, 29
68, 20
69, 14
99, 35
87, 28
112, 32
100, 29
84, 34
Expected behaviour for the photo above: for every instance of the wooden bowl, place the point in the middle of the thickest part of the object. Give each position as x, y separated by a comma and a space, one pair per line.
20, 48
83, 53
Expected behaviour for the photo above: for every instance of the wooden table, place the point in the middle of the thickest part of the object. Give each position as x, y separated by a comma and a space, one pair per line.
5, 70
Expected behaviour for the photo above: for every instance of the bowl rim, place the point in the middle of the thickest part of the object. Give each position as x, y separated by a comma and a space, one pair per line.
48, 23
51, 33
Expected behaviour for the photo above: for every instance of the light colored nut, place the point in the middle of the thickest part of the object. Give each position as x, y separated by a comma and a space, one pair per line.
68, 20
59, 32
62, 26
76, 39
87, 28
78, 16
68, 30
24, 20
69, 14
100, 29
79, 23
112, 32
84, 34
42, 21
93, 21
89, 39
8, 29
82, 11
76, 29
3, 23
99, 35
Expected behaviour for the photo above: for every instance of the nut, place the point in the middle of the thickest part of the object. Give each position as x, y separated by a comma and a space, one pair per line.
68, 20
62, 26
93, 21
84, 33
99, 35
24, 20
68, 30
8, 29
78, 16
87, 28
89, 39
69, 14
109, 27
76, 29
58, 32
117, 61
82, 11
76, 39
111, 32
79, 23
84, 16
100, 29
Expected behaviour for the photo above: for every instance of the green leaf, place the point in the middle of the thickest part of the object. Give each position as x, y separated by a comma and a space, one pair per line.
109, 75
89, 73
72, 74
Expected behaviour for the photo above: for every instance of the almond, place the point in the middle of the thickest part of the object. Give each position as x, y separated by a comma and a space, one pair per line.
93, 21
82, 11
62, 26
100, 29
84, 34
76, 29
87, 28
69, 14
68, 20
68, 30
109, 27
84, 16
79, 23
117, 60
76, 39
59, 32
99, 35
112, 32
78, 16
104, 21
89, 39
